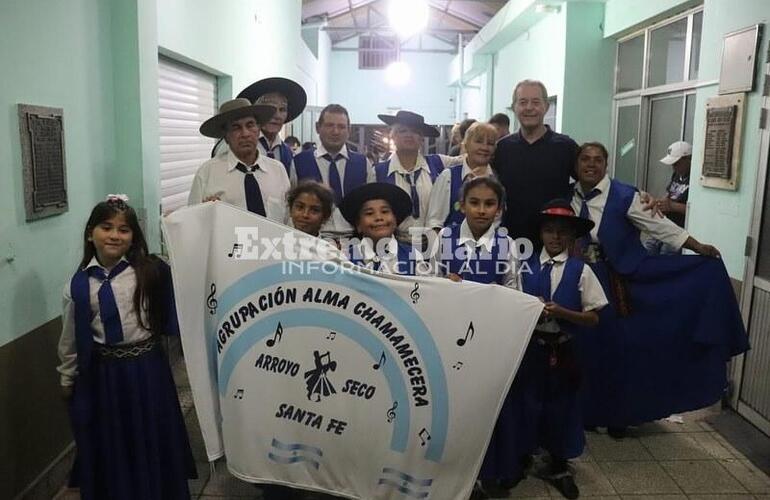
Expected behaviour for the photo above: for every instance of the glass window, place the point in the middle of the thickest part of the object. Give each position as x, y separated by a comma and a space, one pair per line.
667, 49
697, 29
689, 117
626, 146
630, 64
665, 127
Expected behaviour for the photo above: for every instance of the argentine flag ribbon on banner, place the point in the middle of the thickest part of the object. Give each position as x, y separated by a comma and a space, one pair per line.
311, 372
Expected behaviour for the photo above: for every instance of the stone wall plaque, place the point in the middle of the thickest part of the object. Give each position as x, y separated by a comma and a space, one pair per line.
722, 141
42, 154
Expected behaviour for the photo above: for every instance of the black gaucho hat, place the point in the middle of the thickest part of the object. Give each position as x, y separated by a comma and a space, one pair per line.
561, 210
396, 197
412, 120
294, 93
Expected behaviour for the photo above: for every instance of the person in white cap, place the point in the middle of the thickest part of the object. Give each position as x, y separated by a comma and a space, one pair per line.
674, 204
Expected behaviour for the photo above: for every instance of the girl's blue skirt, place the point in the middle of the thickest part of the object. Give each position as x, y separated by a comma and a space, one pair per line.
129, 430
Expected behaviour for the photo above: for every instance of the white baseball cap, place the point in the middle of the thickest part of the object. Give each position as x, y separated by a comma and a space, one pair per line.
676, 151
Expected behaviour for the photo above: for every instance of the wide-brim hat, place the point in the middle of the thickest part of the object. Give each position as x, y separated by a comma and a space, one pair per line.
412, 120
562, 211
232, 110
399, 201
296, 97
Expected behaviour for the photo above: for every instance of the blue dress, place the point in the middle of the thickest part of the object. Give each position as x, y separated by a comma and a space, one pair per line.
508, 444
128, 427
662, 343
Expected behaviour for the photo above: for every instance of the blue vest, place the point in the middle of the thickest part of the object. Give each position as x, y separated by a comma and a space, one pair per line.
567, 293
619, 238
81, 298
286, 156
406, 264
482, 267
306, 167
435, 165
455, 217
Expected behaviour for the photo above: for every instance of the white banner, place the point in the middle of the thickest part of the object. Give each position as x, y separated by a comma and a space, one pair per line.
308, 371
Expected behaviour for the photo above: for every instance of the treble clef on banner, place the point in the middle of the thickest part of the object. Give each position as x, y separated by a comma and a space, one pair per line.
391, 414
211, 302
415, 295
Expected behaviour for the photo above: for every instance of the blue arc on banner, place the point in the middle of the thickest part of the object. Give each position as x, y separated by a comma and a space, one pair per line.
384, 297
295, 318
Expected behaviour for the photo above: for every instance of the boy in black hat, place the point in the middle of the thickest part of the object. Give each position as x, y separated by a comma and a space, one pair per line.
375, 211
549, 374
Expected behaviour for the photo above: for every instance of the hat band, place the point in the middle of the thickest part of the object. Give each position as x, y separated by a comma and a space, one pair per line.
559, 211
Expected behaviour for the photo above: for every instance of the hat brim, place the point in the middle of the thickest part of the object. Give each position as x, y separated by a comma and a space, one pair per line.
670, 160
425, 129
581, 226
399, 201
215, 126
296, 97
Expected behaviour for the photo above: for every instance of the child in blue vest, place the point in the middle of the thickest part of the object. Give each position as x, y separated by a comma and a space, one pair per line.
129, 430
375, 210
549, 375
477, 250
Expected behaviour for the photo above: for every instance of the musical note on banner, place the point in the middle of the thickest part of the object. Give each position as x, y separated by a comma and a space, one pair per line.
415, 295
392, 412
238, 394
426, 438
211, 302
236, 251
276, 337
331, 336
468, 335
381, 362
457, 365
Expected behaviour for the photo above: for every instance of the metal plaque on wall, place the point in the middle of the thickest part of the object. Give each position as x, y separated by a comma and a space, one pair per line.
718, 151
722, 141
42, 154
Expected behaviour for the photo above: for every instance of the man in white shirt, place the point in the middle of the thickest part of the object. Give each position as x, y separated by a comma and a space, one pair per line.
333, 164
407, 168
289, 100
240, 175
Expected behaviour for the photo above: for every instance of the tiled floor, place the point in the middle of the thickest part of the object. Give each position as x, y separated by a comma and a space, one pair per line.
658, 461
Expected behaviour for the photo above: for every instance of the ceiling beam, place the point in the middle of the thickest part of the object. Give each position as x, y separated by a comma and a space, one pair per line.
389, 30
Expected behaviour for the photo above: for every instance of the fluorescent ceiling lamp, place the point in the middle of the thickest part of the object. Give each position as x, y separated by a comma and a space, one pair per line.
408, 17
397, 74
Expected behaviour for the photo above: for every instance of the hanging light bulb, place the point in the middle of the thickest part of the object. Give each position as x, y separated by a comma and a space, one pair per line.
397, 73
408, 17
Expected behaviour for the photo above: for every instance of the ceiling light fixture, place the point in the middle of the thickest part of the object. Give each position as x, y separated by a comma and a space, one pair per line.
408, 17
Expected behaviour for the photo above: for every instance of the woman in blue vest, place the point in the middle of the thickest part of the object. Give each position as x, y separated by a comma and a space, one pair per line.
333, 164
375, 210
407, 168
673, 321
549, 376
444, 205
477, 250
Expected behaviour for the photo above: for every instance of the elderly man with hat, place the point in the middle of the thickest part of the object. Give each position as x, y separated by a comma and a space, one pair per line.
289, 99
408, 169
240, 175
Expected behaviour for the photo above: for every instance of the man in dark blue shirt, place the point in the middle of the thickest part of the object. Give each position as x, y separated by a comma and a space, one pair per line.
534, 164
